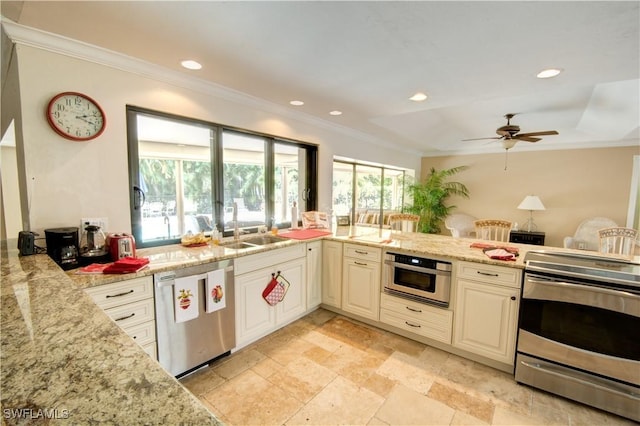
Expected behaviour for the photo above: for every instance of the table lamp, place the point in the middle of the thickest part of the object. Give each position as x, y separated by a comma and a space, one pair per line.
531, 203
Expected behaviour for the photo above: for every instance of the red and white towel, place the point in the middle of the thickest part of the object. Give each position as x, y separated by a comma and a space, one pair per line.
185, 299
216, 291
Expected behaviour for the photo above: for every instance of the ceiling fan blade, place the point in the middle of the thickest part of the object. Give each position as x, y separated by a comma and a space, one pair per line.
526, 138
480, 139
544, 133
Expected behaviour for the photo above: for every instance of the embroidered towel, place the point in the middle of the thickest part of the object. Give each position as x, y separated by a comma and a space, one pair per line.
216, 291
185, 299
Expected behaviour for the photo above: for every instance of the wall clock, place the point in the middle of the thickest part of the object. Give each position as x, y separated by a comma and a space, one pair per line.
76, 116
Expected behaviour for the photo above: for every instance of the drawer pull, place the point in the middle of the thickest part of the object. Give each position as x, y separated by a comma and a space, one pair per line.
120, 294
412, 325
361, 252
413, 310
361, 264
124, 318
487, 274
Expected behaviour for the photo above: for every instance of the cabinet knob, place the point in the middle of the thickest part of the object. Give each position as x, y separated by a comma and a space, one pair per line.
513, 298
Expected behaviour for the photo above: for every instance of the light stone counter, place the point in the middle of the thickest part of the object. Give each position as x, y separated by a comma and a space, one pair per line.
61, 352
63, 358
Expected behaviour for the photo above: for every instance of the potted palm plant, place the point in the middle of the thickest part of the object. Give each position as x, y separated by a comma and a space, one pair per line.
429, 197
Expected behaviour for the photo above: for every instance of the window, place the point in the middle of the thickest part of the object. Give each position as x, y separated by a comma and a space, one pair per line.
367, 193
188, 175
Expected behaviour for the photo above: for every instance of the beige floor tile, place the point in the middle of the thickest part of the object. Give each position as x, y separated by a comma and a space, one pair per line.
352, 363
317, 354
327, 343
249, 399
404, 406
409, 371
461, 418
267, 368
283, 350
302, 378
237, 363
505, 417
202, 381
498, 386
476, 407
352, 332
377, 422
340, 402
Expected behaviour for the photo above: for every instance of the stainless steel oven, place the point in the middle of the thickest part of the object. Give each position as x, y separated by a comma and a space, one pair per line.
579, 330
426, 280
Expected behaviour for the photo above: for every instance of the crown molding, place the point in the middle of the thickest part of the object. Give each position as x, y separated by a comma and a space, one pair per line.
28, 36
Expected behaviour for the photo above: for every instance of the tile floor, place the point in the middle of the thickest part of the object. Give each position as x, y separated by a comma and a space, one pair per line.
325, 369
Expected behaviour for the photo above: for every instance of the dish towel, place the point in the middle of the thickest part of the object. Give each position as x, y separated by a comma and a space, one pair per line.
500, 254
216, 291
185, 299
126, 265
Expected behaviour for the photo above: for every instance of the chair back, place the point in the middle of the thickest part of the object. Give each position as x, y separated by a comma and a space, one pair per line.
460, 225
492, 229
404, 222
618, 240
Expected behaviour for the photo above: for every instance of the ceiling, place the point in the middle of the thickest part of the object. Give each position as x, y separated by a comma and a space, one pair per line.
476, 61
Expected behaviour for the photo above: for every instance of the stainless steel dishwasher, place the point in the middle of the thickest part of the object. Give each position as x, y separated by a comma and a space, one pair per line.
186, 346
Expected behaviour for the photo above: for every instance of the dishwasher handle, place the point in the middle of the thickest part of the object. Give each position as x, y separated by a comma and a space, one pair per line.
168, 279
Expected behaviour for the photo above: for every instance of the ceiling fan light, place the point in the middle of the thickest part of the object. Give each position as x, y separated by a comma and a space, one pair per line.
296, 103
335, 112
508, 143
418, 97
549, 72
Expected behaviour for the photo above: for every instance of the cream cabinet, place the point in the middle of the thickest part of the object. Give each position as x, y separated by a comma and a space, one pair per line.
314, 274
332, 273
361, 272
486, 310
429, 321
255, 317
130, 304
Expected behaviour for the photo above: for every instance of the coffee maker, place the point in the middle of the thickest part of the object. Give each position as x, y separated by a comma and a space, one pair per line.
62, 246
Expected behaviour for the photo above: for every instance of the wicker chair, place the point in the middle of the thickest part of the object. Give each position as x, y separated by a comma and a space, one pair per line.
586, 236
618, 240
492, 229
404, 222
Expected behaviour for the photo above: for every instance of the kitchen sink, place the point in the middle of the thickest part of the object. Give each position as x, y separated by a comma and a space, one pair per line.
261, 240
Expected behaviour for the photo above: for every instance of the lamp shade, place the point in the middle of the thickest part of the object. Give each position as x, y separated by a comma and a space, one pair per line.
531, 202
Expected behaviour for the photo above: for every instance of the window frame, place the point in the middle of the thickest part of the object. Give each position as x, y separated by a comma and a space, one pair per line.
217, 171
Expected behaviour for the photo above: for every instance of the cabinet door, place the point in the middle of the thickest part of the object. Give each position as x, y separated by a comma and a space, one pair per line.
361, 288
332, 273
314, 274
254, 317
294, 303
485, 321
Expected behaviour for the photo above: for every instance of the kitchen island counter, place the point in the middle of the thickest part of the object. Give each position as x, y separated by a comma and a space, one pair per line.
63, 358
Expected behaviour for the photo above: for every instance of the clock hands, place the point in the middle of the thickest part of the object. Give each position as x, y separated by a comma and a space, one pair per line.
84, 118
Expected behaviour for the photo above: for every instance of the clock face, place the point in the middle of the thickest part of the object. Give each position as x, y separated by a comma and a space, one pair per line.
75, 116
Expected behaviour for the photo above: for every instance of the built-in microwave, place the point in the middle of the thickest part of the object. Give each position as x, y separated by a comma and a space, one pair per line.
422, 279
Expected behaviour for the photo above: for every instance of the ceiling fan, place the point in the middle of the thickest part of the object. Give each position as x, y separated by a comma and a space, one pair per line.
509, 134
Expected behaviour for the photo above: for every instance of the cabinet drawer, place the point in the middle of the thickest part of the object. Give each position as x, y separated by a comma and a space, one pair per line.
437, 327
491, 274
111, 295
372, 254
142, 333
150, 349
266, 260
132, 313
410, 308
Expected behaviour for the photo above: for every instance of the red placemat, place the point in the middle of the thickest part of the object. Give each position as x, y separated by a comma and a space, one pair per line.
304, 234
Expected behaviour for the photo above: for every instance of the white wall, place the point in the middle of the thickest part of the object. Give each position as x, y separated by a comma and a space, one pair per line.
70, 180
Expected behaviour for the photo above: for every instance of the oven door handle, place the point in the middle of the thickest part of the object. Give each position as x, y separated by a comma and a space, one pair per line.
416, 268
613, 300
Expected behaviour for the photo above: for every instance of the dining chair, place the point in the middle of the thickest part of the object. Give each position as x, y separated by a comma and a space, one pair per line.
618, 240
492, 229
404, 222
586, 235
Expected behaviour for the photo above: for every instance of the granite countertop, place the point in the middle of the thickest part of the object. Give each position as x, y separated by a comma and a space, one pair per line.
63, 358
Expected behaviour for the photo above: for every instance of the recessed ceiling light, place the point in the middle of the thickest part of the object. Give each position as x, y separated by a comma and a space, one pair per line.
191, 65
548, 73
336, 112
297, 103
418, 97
